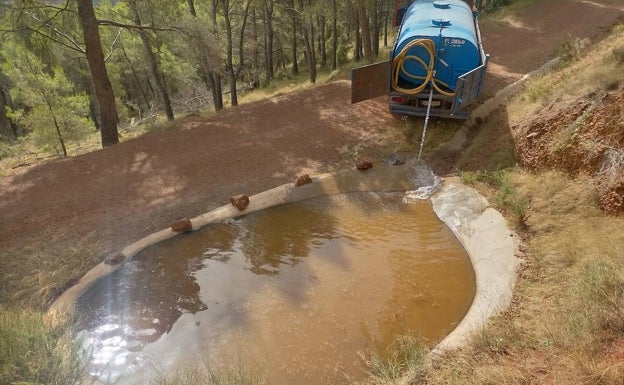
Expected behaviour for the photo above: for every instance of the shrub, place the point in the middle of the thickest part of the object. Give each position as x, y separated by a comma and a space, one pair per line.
538, 90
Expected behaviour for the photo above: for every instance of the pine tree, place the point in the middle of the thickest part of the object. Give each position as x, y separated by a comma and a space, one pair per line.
52, 110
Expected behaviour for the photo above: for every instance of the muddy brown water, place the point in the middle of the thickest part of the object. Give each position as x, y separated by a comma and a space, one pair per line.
297, 294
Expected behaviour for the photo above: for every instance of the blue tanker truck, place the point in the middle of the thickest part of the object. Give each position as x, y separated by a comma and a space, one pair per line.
437, 65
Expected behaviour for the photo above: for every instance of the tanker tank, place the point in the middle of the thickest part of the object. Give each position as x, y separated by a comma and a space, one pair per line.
437, 43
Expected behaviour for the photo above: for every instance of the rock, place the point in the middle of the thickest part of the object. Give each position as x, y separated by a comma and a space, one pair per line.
183, 225
240, 201
363, 164
303, 179
115, 259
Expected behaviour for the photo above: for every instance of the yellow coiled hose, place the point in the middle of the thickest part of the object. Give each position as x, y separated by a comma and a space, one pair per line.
398, 66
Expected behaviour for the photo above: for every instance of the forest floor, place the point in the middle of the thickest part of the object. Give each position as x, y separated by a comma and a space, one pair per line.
93, 205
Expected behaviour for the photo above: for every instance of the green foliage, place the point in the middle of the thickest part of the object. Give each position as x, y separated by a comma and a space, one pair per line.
507, 197
179, 74
538, 89
238, 374
5, 150
570, 49
52, 110
198, 33
491, 5
344, 50
618, 28
34, 353
405, 356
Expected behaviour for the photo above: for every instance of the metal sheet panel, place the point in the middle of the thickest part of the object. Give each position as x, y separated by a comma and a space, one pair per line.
370, 81
469, 87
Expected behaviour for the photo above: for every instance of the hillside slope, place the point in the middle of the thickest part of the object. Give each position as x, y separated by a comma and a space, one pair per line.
572, 120
565, 324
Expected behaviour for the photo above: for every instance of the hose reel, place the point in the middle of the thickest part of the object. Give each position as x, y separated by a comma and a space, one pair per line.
398, 68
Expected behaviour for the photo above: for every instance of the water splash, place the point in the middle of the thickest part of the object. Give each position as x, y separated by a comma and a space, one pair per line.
426, 181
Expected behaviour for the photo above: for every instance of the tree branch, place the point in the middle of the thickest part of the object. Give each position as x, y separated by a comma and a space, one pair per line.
113, 45
57, 9
76, 48
112, 23
76, 45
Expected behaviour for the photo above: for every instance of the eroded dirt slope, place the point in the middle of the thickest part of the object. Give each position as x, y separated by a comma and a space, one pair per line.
586, 136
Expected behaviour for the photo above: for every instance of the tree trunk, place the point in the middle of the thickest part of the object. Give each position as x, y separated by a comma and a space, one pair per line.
205, 72
255, 53
349, 20
59, 135
136, 78
149, 85
366, 36
293, 18
322, 47
241, 39
268, 38
308, 33
191, 5
8, 128
386, 21
101, 82
217, 91
376, 25
283, 56
229, 60
153, 63
334, 35
358, 40
93, 114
